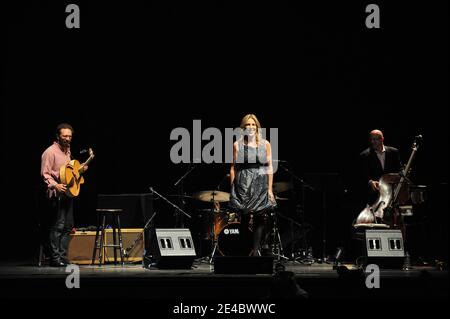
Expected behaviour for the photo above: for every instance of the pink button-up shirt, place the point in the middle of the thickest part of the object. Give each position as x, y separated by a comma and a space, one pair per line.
51, 161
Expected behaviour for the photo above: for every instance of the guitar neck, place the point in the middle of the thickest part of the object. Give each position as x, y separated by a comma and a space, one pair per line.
89, 160
91, 156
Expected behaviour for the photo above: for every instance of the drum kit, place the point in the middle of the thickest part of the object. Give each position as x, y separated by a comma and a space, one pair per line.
223, 229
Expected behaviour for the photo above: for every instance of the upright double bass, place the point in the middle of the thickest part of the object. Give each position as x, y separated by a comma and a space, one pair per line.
393, 190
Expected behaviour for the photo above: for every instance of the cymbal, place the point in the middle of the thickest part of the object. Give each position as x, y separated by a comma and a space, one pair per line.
281, 187
212, 196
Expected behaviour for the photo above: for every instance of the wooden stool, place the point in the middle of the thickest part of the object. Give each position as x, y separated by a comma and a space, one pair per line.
101, 245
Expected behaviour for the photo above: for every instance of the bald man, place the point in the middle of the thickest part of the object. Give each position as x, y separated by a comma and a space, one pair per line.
376, 161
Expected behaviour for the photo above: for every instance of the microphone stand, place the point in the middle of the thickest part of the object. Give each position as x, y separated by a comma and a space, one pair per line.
126, 252
179, 221
289, 171
302, 219
169, 202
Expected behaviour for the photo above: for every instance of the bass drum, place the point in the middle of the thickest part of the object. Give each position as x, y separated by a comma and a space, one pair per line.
235, 239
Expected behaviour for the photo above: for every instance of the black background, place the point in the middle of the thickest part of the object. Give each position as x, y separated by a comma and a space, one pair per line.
136, 70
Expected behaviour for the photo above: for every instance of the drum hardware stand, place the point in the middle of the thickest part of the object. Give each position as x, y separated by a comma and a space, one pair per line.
308, 258
292, 223
306, 255
213, 235
324, 179
214, 244
214, 197
211, 258
277, 245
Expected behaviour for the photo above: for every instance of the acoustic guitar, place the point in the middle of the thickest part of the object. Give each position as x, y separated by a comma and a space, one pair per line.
71, 175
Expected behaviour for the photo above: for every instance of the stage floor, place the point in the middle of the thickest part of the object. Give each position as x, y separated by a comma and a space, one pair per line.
133, 281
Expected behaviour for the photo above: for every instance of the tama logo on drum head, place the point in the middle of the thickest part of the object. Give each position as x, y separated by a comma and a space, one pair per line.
232, 231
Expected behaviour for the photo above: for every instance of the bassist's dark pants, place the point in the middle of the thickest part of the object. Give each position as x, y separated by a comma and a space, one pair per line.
61, 224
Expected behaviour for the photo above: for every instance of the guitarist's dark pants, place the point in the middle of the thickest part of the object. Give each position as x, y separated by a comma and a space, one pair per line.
61, 224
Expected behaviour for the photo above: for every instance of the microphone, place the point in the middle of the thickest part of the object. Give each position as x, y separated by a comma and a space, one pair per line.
279, 161
84, 151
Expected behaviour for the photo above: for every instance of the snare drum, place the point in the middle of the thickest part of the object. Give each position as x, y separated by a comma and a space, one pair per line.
235, 239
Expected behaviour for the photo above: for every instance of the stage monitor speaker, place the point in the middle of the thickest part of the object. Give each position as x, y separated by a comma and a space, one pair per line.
384, 247
173, 248
243, 265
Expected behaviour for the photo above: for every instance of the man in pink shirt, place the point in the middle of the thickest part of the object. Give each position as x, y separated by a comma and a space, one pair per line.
61, 206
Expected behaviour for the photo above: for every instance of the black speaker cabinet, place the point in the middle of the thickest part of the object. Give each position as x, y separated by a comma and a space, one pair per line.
173, 248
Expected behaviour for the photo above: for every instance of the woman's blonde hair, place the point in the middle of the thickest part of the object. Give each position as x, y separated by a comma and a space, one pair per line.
258, 126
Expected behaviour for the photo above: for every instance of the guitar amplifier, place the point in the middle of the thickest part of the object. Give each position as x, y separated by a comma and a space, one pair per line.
81, 246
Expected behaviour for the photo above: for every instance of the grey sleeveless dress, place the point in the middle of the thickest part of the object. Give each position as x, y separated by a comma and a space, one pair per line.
249, 191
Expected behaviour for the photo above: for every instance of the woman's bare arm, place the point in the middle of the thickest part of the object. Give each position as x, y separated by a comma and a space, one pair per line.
269, 169
232, 168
